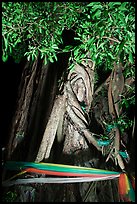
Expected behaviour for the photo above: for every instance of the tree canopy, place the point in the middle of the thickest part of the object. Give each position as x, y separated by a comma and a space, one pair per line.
106, 29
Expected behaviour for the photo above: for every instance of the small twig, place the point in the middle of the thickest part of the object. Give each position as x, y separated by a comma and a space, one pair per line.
112, 39
91, 186
109, 155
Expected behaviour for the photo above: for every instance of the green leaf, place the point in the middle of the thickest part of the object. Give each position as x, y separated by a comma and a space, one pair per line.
4, 57
6, 43
101, 46
32, 57
75, 38
16, 42
28, 57
76, 52
51, 59
131, 58
10, 49
85, 25
133, 48
109, 54
71, 67
122, 7
113, 4
122, 17
102, 31
29, 36
54, 46
95, 7
61, 22
96, 14
67, 48
91, 40
55, 57
91, 4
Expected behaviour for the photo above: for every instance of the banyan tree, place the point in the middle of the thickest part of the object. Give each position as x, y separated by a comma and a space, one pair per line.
75, 102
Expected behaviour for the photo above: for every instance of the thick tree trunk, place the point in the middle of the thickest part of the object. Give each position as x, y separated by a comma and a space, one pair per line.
57, 123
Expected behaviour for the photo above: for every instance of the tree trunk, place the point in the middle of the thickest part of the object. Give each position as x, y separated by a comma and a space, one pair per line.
57, 122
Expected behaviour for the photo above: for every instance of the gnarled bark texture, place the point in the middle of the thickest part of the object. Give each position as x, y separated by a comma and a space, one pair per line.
61, 123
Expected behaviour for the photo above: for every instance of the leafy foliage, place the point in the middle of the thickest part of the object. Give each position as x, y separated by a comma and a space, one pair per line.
106, 29
37, 25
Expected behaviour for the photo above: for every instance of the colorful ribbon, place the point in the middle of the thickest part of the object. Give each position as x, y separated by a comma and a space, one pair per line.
75, 174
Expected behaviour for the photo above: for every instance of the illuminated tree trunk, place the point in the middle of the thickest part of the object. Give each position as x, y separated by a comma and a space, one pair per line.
57, 119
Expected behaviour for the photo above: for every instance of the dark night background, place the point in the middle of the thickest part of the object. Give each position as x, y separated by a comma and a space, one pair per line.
10, 79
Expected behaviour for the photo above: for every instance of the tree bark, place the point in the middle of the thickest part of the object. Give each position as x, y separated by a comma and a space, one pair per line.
59, 124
